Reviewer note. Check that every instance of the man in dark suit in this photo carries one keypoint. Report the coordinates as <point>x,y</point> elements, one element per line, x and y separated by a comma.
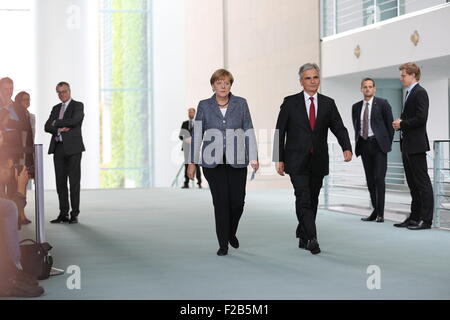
<point>372,121</point>
<point>66,145</point>
<point>301,148</point>
<point>414,145</point>
<point>186,136</point>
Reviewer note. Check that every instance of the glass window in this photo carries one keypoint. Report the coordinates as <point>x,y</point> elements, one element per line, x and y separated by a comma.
<point>124,94</point>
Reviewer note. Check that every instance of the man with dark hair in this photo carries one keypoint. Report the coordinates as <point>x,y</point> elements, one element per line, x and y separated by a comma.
<point>66,145</point>
<point>372,121</point>
<point>301,148</point>
<point>414,145</point>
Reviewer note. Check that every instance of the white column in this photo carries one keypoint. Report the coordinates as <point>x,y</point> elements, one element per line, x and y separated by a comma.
<point>169,88</point>
<point>67,49</point>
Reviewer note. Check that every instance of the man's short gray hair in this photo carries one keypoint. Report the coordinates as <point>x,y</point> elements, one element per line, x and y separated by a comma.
<point>308,66</point>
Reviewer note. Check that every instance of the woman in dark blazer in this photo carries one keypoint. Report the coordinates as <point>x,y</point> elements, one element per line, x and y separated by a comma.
<point>223,128</point>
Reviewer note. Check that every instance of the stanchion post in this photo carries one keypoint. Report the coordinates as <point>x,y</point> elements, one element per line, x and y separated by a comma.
<point>39,192</point>
<point>436,182</point>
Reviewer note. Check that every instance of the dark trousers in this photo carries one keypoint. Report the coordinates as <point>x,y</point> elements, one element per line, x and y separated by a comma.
<point>419,183</point>
<point>307,190</point>
<point>67,167</point>
<point>227,185</point>
<point>198,174</point>
<point>375,166</point>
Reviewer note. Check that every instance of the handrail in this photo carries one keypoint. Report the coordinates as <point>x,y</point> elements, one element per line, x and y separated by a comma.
<point>347,180</point>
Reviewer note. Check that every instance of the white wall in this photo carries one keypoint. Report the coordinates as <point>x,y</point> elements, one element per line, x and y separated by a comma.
<point>388,43</point>
<point>438,114</point>
<point>266,44</point>
<point>187,48</point>
<point>66,49</point>
<point>345,94</point>
<point>383,49</point>
<point>169,87</point>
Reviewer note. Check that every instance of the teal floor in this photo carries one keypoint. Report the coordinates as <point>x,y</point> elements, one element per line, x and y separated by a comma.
<point>161,244</point>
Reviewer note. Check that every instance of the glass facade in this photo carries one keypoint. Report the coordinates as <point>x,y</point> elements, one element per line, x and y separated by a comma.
<point>124,94</point>
<point>342,15</point>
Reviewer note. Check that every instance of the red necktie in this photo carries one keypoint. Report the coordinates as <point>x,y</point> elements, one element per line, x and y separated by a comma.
<point>312,117</point>
<point>312,113</point>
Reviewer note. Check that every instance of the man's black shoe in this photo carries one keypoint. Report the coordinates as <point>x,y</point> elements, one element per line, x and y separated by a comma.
<point>222,252</point>
<point>302,244</point>
<point>60,220</point>
<point>372,217</point>
<point>408,222</point>
<point>185,187</point>
<point>73,220</point>
<point>234,242</point>
<point>313,246</point>
<point>421,226</point>
<point>380,219</point>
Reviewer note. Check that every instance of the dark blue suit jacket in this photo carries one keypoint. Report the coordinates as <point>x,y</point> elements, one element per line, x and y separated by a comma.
<point>380,121</point>
<point>294,138</point>
<point>414,122</point>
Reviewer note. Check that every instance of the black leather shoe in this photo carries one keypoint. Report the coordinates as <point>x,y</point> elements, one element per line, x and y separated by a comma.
<point>313,246</point>
<point>372,217</point>
<point>380,219</point>
<point>199,186</point>
<point>408,222</point>
<point>185,187</point>
<point>234,242</point>
<point>60,220</point>
<point>421,226</point>
<point>222,252</point>
<point>73,220</point>
<point>302,244</point>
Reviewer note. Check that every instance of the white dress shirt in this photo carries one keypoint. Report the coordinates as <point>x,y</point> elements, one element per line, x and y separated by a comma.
<point>308,102</point>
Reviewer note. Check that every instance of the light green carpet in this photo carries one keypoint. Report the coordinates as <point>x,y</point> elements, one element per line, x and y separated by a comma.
<point>161,244</point>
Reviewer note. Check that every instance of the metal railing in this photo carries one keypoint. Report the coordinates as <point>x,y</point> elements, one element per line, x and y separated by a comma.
<point>343,15</point>
<point>441,183</point>
<point>346,187</point>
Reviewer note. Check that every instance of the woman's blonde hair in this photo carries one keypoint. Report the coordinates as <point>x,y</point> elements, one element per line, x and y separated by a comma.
<point>220,75</point>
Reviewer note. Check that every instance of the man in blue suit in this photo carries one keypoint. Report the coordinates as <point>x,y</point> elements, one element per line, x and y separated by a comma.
<point>372,121</point>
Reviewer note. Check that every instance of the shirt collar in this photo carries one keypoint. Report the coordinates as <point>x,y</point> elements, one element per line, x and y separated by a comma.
<point>412,87</point>
<point>67,102</point>
<point>307,96</point>
<point>370,101</point>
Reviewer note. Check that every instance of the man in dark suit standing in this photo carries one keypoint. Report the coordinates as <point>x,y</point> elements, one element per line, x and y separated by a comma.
<point>66,145</point>
<point>301,149</point>
<point>186,136</point>
<point>414,145</point>
<point>372,121</point>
